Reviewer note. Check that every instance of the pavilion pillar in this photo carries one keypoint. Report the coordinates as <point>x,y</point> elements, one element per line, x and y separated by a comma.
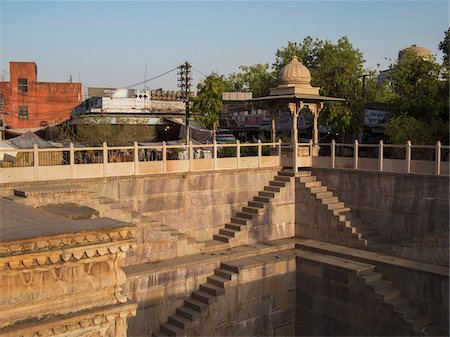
<point>294,112</point>
<point>274,130</point>
<point>318,108</point>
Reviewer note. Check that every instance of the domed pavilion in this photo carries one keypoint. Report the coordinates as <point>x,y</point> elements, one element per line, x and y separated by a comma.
<point>295,91</point>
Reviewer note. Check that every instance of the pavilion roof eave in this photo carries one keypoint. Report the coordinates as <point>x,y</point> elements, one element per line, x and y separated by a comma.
<point>299,96</point>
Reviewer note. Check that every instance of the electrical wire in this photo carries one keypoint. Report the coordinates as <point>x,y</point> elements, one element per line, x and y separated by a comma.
<point>151,79</point>
<point>199,72</point>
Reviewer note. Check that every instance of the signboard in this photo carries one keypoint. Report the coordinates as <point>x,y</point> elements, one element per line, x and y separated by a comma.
<point>110,92</point>
<point>252,120</point>
<point>375,117</point>
<point>237,96</point>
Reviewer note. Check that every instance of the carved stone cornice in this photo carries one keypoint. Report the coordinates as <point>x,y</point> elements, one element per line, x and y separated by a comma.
<point>105,321</point>
<point>52,250</point>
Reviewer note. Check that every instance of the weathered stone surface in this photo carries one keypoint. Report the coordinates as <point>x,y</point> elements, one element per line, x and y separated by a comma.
<point>52,279</point>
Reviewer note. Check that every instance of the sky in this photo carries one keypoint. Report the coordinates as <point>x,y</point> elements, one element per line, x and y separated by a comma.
<point>110,43</point>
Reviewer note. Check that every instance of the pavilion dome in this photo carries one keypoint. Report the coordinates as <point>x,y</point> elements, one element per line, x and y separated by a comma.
<point>294,73</point>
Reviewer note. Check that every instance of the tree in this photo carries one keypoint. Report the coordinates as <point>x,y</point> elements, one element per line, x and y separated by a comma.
<point>208,102</point>
<point>256,79</point>
<point>337,69</point>
<point>444,47</point>
<point>420,101</point>
<point>415,82</point>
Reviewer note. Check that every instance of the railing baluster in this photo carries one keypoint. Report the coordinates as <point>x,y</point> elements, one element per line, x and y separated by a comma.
<point>380,156</point>
<point>438,158</point>
<point>333,153</point>
<point>408,157</point>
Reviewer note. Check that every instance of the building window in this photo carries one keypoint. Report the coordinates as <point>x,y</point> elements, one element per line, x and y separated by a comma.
<point>1,102</point>
<point>23,112</point>
<point>22,85</point>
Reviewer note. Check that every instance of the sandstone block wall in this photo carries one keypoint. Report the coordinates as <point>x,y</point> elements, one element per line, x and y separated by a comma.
<point>334,301</point>
<point>398,206</point>
<point>194,203</point>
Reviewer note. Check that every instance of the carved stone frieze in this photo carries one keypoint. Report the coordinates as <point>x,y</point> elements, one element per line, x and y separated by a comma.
<point>64,275</point>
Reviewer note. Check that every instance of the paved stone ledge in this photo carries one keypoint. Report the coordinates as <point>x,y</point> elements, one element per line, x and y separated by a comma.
<point>206,258</point>
<point>362,255</point>
<point>383,173</point>
<point>158,176</point>
<point>32,191</point>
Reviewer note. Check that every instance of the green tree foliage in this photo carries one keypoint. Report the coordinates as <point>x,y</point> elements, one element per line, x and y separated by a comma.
<point>415,82</point>
<point>444,47</point>
<point>114,135</point>
<point>208,102</point>
<point>256,78</point>
<point>419,107</point>
<point>337,69</point>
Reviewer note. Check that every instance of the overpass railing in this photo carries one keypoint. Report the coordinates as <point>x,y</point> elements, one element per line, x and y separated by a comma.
<point>403,158</point>
<point>94,162</point>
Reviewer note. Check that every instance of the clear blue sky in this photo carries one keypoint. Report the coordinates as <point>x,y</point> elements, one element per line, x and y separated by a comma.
<point>109,43</point>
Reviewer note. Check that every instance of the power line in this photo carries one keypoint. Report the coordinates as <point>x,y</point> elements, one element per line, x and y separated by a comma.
<point>151,79</point>
<point>199,72</point>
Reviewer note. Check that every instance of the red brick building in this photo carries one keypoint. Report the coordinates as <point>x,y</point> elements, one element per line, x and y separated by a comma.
<point>26,103</point>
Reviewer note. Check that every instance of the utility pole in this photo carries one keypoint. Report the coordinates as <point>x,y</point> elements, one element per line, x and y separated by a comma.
<point>185,88</point>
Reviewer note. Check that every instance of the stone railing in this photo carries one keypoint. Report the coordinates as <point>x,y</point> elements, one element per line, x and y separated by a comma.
<point>95,162</point>
<point>408,158</point>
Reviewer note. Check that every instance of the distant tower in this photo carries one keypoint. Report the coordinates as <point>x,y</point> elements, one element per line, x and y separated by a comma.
<point>419,51</point>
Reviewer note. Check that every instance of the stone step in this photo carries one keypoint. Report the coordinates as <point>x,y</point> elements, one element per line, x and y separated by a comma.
<point>222,238</point>
<point>337,212</point>
<point>238,220</point>
<point>388,293</point>
<point>324,195</point>
<point>303,173</point>
<point>195,304</point>
<point>228,232</point>
<point>262,199</point>
<point>225,273</point>
<point>419,321</point>
<point>256,204</point>
<point>203,296</point>
<point>233,226</point>
<point>315,183</point>
<point>188,313</point>
<point>317,189</point>
<point>399,302</point>
<point>217,280</point>
<point>277,183</point>
<point>282,178</point>
<point>266,194</point>
<point>212,289</point>
<point>307,179</point>
<point>245,215</point>
<point>379,284</point>
<point>272,189</point>
<point>371,276</point>
<point>335,205</point>
<point>408,311</point>
<point>329,200</point>
<point>249,209</point>
<point>180,321</point>
<point>286,173</point>
<point>159,334</point>
<point>171,329</point>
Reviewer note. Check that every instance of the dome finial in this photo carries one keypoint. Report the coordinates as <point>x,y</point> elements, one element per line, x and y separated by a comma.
<point>294,73</point>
